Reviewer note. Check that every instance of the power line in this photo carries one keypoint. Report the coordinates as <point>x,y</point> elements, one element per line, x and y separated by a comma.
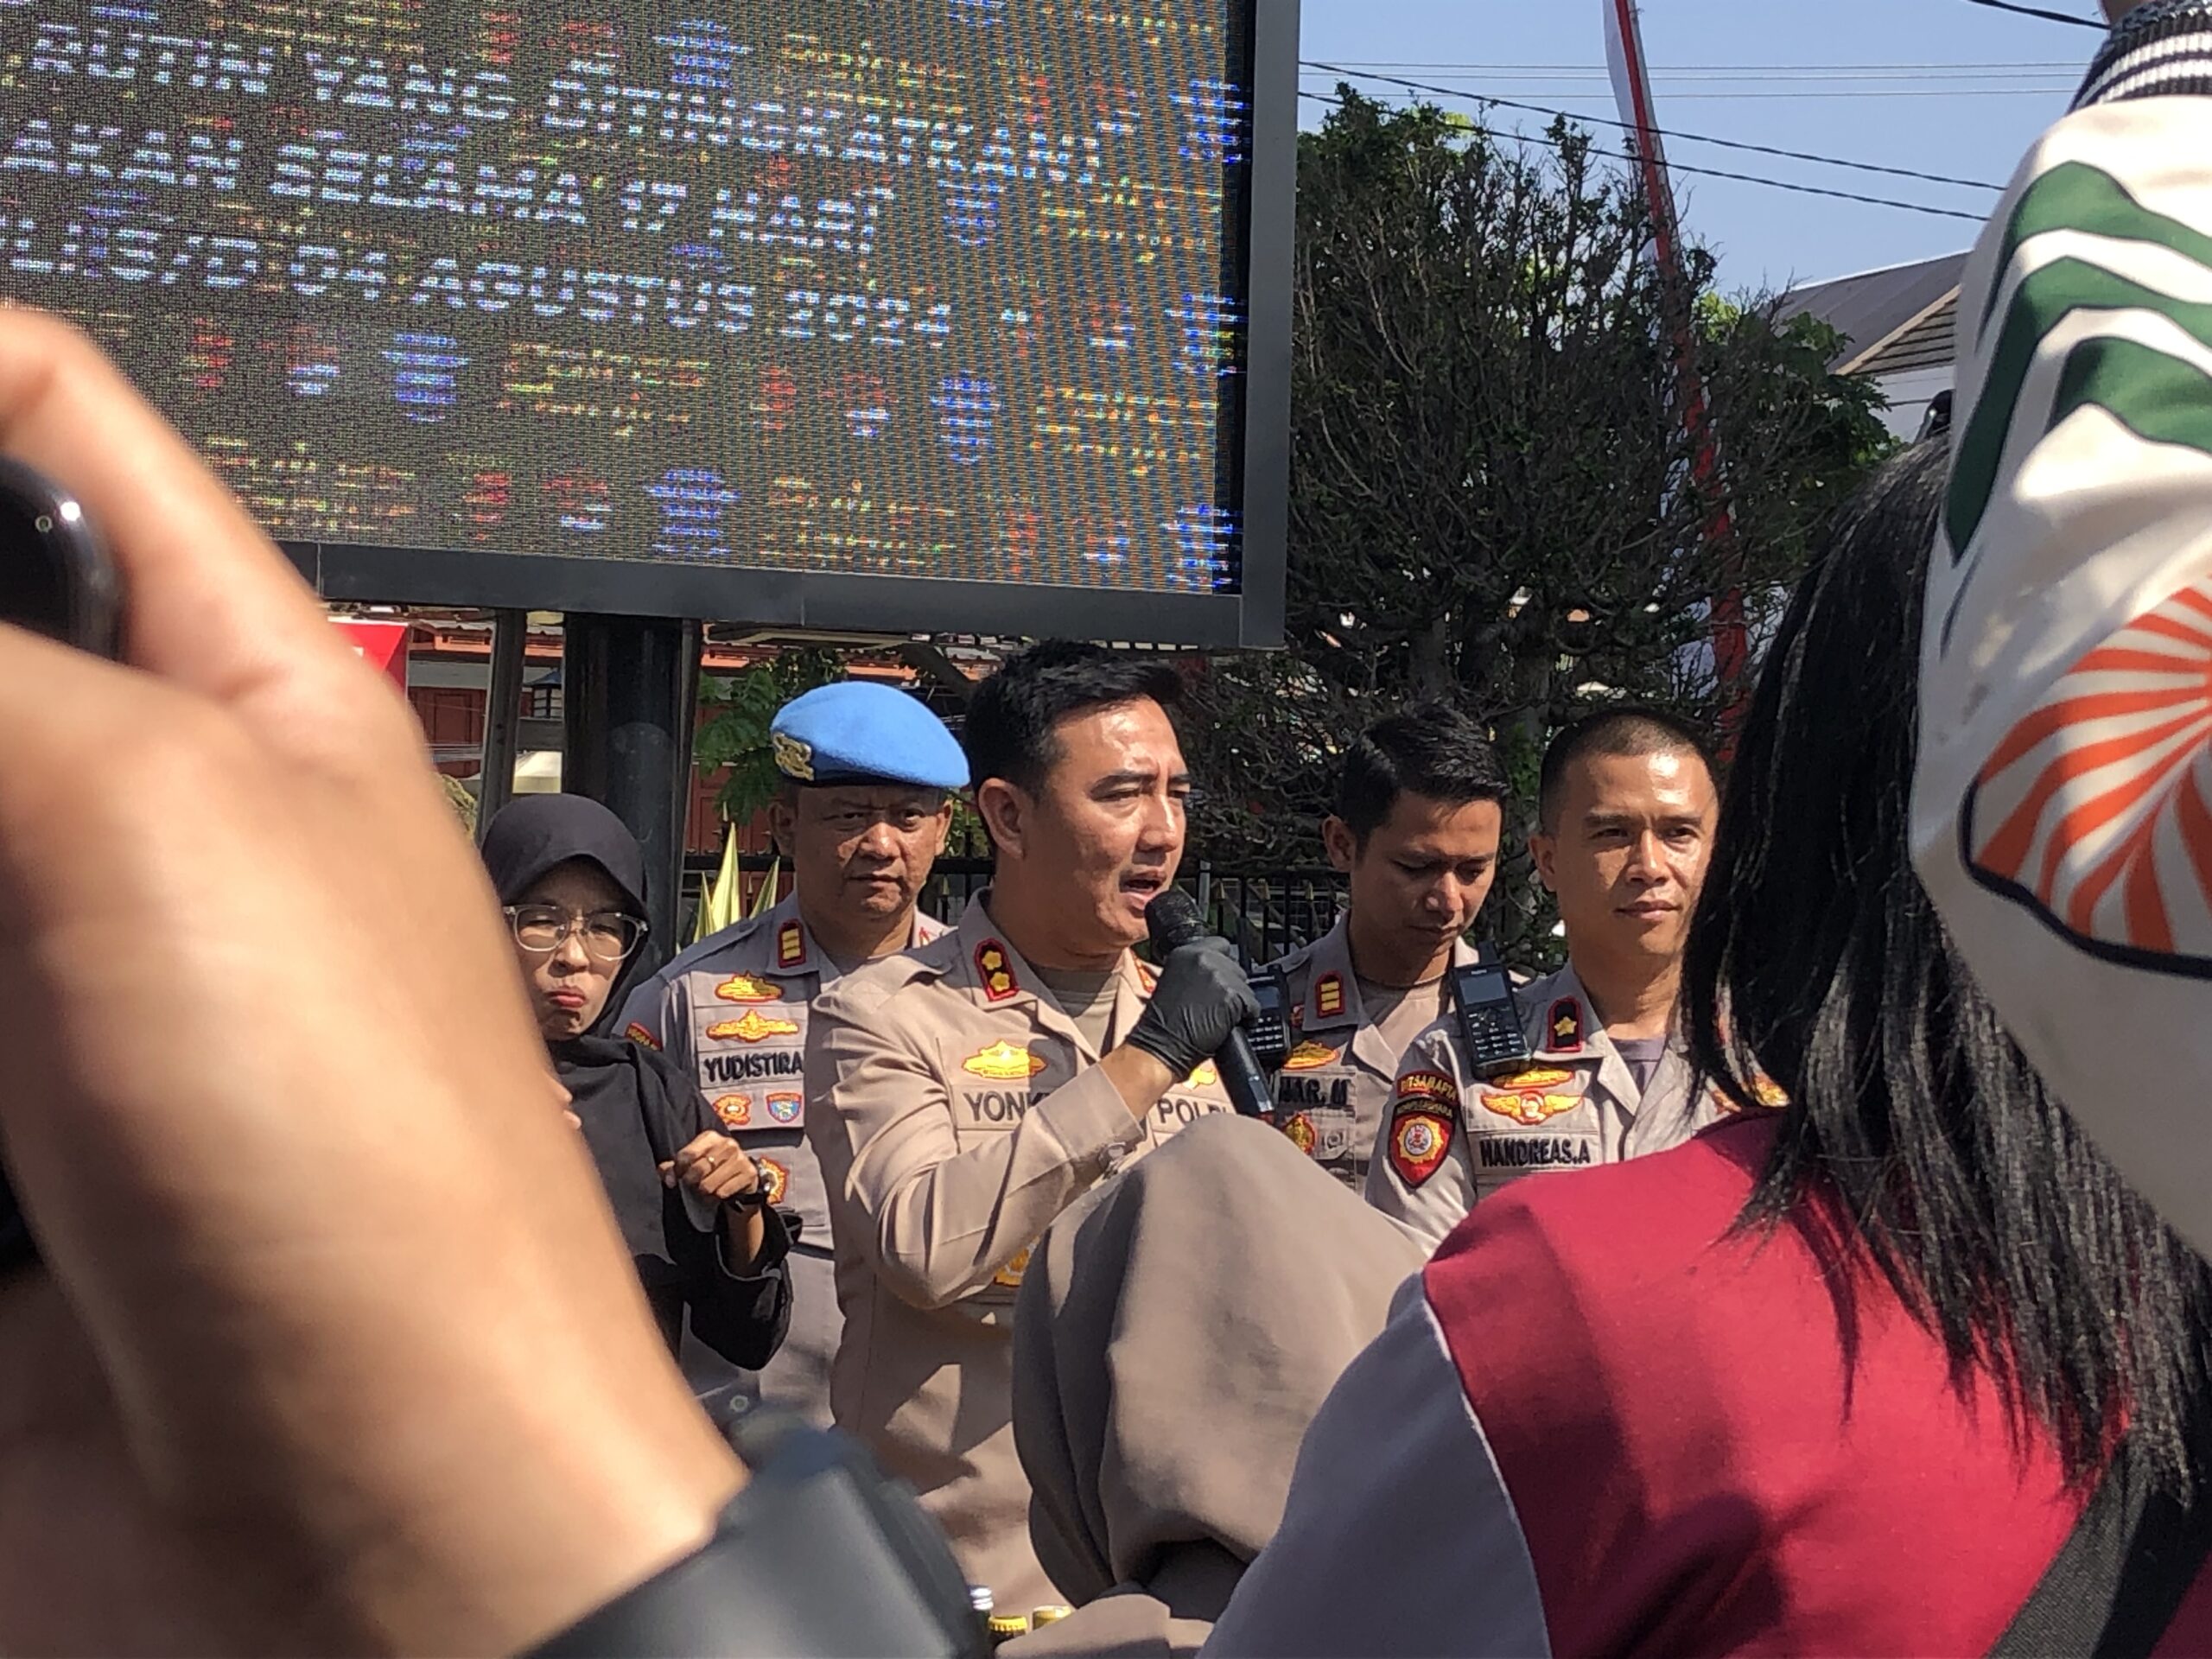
<point>1688,137</point>
<point>2037,11</point>
<point>1715,173</point>
<point>2070,73</point>
<point>1800,93</point>
<point>1746,68</point>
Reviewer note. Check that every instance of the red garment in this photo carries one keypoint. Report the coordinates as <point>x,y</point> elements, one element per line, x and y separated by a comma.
<point>1694,1466</point>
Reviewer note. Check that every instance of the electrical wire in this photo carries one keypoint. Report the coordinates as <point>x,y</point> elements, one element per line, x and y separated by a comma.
<point>2037,11</point>
<point>1715,173</point>
<point>1582,69</point>
<point>1665,132</point>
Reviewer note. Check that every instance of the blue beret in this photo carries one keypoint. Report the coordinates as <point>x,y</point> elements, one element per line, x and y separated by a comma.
<point>859,732</point>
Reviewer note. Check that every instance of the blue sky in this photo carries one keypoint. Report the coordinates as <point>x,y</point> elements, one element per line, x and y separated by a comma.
<point>1938,85</point>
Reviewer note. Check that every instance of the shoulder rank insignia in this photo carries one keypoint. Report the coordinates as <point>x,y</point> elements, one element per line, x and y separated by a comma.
<point>1563,1027</point>
<point>994,972</point>
<point>791,945</point>
<point>1420,1133</point>
<point>1004,1062</point>
<point>752,1029</point>
<point>1299,1129</point>
<point>1147,981</point>
<point>1310,1055</point>
<point>734,1110</point>
<point>775,1178</point>
<point>637,1035</point>
<point>743,988</point>
<point>1329,995</point>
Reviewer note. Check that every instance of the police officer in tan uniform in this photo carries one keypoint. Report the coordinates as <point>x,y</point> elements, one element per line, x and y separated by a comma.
<point>862,816</point>
<point>1416,826</point>
<point>1625,821</point>
<point>964,1094</point>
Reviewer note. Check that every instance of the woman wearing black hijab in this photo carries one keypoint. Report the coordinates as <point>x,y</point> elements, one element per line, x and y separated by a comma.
<point>571,880</point>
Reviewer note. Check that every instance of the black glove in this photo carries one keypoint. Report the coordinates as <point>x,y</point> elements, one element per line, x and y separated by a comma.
<point>1202,996</point>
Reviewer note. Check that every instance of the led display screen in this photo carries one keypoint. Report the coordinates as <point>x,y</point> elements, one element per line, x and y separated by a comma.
<point>731,310</point>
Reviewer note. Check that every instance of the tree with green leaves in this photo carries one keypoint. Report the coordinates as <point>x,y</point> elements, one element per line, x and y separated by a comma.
<point>1490,495</point>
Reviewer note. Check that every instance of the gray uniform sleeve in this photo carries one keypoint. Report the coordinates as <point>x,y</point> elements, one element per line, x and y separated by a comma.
<point>938,1219</point>
<point>659,1009</point>
<point>1399,1536</point>
<point>1432,1209</point>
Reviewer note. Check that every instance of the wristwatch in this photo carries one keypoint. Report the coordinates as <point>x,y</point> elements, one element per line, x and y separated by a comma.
<point>819,1555</point>
<point>747,1203</point>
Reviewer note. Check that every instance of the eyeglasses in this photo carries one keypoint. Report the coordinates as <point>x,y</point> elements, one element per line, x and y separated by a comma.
<point>608,935</point>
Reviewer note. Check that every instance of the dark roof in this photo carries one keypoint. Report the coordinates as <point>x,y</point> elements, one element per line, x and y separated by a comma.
<point>1871,309</point>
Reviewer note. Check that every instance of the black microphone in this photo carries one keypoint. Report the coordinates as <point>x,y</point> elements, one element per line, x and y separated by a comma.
<point>1173,920</point>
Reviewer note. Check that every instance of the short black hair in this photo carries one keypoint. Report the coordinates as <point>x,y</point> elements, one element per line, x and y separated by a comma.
<point>1009,731</point>
<point>1430,749</point>
<point>1629,730</point>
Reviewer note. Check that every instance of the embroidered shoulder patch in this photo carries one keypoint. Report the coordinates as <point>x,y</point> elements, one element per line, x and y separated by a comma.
<point>1419,1139</point>
<point>637,1035</point>
<point>1431,1090</point>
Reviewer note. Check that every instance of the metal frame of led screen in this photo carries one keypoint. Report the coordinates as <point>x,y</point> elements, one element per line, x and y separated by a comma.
<point>902,315</point>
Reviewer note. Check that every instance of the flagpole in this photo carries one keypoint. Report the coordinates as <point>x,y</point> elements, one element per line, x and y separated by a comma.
<point>1631,77</point>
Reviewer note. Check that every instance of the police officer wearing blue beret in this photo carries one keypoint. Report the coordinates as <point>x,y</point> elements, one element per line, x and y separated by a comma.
<point>868,774</point>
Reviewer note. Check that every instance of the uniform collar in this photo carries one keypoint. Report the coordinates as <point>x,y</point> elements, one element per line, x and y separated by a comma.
<point>1333,1002</point>
<point>1562,1026</point>
<point>792,949</point>
<point>1002,979</point>
<point>1332,989</point>
<point>791,946</point>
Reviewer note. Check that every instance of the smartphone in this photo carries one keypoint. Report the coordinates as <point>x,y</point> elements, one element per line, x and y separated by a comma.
<point>1491,1026</point>
<point>56,579</point>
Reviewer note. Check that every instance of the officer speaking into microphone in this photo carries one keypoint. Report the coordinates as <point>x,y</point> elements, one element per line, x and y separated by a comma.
<point>960,1095</point>
<point>863,813</point>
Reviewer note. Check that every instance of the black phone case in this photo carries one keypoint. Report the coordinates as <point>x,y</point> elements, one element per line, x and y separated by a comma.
<point>73,594</point>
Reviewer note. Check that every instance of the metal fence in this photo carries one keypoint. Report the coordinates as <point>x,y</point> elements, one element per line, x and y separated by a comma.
<point>1263,912</point>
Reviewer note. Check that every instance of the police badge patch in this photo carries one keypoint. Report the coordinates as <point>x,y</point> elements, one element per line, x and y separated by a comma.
<point>1419,1139</point>
<point>775,1178</point>
<point>734,1110</point>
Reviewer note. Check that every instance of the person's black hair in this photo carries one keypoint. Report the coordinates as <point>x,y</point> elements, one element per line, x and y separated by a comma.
<point>1628,730</point>
<point>1916,1135</point>
<point>1008,731</point>
<point>1430,749</point>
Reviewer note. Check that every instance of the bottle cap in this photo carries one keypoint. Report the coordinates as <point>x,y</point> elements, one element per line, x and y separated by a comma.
<point>1005,1626</point>
<point>1040,1617</point>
